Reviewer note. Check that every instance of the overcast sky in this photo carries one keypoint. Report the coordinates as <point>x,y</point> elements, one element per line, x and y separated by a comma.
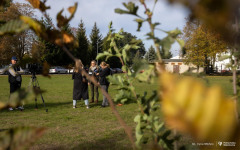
<point>102,12</point>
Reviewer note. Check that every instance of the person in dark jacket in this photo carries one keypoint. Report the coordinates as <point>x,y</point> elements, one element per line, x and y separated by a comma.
<point>105,71</point>
<point>93,70</point>
<point>80,87</point>
<point>14,78</point>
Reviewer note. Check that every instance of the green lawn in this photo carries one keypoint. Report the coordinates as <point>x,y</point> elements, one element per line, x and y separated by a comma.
<point>80,128</point>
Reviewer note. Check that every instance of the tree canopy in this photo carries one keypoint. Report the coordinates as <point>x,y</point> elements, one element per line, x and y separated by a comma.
<point>202,44</point>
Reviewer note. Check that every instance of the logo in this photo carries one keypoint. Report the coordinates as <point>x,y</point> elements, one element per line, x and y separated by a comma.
<point>220,143</point>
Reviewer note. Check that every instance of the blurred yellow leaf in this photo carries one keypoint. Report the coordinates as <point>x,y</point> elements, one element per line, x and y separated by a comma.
<point>39,5</point>
<point>73,9</point>
<point>191,107</point>
<point>61,20</point>
<point>67,38</point>
<point>36,26</point>
<point>46,68</point>
<point>2,105</point>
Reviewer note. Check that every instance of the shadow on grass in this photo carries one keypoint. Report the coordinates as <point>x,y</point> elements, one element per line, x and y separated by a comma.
<point>40,106</point>
<point>117,140</point>
<point>1,130</point>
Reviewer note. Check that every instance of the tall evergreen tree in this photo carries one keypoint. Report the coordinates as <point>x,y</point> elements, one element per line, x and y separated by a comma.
<point>50,49</point>
<point>151,55</point>
<point>82,52</point>
<point>95,42</point>
<point>52,53</point>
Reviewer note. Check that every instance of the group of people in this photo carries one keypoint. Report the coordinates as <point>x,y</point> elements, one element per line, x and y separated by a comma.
<point>80,87</point>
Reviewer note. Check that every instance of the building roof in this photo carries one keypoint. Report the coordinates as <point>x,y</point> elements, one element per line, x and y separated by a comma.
<point>176,57</point>
<point>172,60</point>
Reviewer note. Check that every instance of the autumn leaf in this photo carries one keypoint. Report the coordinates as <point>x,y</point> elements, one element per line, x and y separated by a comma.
<point>73,9</point>
<point>39,5</point>
<point>191,107</point>
<point>67,38</point>
<point>46,68</point>
<point>61,20</point>
<point>13,26</point>
<point>37,27</point>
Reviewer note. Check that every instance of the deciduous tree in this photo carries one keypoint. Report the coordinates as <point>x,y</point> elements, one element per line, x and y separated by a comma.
<point>202,44</point>
<point>20,43</point>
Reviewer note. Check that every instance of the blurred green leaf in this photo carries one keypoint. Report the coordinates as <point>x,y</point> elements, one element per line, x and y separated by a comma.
<point>19,138</point>
<point>167,42</point>
<point>37,27</point>
<point>224,57</point>
<point>13,26</point>
<point>140,22</point>
<point>131,9</point>
<point>180,42</point>
<point>146,75</point>
<point>104,54</point>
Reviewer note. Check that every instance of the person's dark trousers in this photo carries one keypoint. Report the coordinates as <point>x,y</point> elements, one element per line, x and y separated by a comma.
<point>105,101</point>
<point>94,89</point>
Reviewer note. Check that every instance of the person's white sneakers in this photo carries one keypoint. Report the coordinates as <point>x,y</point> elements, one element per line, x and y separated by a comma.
<point>74,106</point>
<point>20,107</point>
<point>11,109</point>
<point>87,107</point>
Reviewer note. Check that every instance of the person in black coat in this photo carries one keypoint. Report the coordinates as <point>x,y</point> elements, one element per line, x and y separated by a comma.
<point>14,78</point>
<point>105,71</point>
<point>80,88</point>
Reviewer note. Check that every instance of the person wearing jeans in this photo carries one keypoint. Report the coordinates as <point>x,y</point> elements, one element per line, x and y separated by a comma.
<point>103,80</point>
<point>93,70</point>
<point>14,79</point>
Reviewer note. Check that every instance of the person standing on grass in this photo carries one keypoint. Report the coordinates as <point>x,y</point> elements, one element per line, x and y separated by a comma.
<point>80,87</point>
<point>14,79</point>
<point>105,71</point>
<point>93,70</point>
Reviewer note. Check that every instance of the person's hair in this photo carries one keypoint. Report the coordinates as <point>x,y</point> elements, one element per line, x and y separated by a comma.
<point>94,62</point>
<point>105,64</point>
<point>78,66</point>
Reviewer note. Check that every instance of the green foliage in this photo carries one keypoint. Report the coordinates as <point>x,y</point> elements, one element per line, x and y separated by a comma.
<point>13,26</point>
<point>162,46</point>
<point>168,41</point>
<point>123,42</point>
<point>19,138</point>
<point>131,9</point>
<point>149,128</point>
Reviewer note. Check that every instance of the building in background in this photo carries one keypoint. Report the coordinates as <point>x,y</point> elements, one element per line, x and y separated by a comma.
<point>177,65</point>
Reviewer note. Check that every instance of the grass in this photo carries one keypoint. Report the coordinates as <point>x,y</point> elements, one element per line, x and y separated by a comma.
<point>80,128</point>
